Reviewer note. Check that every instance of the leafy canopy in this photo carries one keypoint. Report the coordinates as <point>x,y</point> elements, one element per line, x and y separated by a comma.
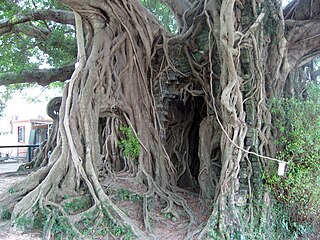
<point>27,44</point>
<point>34,43</point>
<point>162,13</point>
<point>31,44</point>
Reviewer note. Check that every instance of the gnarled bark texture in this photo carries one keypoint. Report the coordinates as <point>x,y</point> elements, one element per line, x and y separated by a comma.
<point>196,102</point>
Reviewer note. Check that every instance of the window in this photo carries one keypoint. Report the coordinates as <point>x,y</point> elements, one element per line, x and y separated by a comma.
<point>21,134</point>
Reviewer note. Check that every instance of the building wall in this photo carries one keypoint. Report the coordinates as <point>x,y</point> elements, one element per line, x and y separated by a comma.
<point>19,134</point>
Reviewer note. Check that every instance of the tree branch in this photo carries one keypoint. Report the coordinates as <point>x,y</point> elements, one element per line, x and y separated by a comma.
<point>41,76</point>
<point>303,38</point>
<point>302,10</point>
<point>59,16</point>
<point>31,31</point>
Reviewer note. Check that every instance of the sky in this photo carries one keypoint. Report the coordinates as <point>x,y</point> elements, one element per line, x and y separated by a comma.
<point>29,103</point>
<point>285,2</point>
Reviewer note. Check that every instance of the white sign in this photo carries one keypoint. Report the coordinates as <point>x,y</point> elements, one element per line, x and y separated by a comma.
<point>281,168</point>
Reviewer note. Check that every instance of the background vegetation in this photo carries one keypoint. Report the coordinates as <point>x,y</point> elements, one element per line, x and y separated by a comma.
<point>298,191</point>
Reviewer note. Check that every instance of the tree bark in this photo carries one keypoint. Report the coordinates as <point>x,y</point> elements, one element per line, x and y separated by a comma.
<point>42,77</point>
<point>211,82</point>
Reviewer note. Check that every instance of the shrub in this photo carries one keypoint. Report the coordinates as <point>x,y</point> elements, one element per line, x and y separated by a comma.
<point>129,144</point>
<point>298,142</point>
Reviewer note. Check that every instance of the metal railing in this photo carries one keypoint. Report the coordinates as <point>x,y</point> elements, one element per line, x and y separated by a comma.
<point>29,153</point>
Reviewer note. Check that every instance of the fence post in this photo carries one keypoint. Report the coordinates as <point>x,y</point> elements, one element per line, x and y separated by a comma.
<point>29,154</point>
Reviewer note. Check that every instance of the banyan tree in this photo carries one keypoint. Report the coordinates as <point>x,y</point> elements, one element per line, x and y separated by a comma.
<point>171,115</point>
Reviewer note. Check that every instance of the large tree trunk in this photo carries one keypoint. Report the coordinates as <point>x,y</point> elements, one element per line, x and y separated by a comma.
<point>195,102</point>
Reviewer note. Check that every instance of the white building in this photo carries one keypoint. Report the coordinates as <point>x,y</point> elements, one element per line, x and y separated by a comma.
<point>20,133</point>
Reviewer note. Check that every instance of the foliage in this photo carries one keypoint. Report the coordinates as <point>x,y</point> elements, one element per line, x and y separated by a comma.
<point>33,44</point>
<point>271,223</point>
<point>94,224</point>
<point>98,227</point>
<point>162,13</point>
<point>126,195</point>
<point>61,228</point>
<point>39,220</point>
<point>24,222</point>
<point>15,53</point>
<point>11,190</point>
<point>24,49</point>
<point>5,214</point>
<point>129,144</point>
<point>298,142</point>
<point>61,35</point>
<point>282,226</point>
<point>56,85</point>
<point>78,204</point>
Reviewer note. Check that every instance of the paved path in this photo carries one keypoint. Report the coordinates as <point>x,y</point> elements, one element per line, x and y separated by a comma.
<point>9,167</point>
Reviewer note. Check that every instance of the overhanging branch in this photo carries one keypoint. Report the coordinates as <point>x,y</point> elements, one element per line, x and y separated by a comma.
<point>303,38</point>
<point>309,56</point>
<point>302,10</point>
<point>42,77</point>
<point>58,16</point>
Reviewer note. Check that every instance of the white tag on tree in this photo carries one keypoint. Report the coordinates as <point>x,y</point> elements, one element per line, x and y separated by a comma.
<point>281,168</point>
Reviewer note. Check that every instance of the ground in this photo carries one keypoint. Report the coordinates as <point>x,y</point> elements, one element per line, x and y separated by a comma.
<point>6,231</point>
<point>166,227</point>
<point>127,195</point>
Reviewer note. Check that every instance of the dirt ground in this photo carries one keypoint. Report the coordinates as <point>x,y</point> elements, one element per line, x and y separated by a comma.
<point>6,231</point>
<point>164,229</point>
